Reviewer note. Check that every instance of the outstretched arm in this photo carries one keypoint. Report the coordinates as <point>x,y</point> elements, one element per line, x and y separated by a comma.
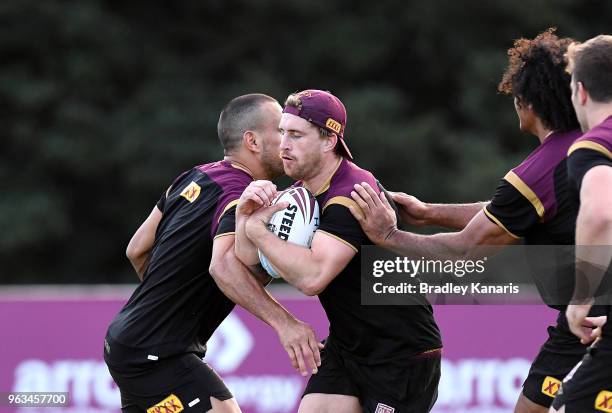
<point>414,212</point>
<point>378,221</point>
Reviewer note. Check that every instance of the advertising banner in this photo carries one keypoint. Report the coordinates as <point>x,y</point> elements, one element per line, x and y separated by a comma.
<point>54,342</point>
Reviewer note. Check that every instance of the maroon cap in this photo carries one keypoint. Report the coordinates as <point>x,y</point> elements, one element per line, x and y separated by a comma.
<point>324,110</point>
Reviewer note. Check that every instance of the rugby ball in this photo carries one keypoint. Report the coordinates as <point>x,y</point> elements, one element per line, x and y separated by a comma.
<point>295,224</point>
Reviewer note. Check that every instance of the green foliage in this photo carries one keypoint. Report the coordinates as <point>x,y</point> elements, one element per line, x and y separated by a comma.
<point>105,102</point>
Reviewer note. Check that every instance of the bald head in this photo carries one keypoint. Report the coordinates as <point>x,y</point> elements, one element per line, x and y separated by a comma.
<point>242,114</point>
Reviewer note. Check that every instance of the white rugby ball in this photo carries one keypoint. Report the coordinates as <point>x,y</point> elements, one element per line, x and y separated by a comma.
<point>295,224</point>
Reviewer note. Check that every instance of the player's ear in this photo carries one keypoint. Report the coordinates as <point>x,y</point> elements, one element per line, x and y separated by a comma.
<point>582,93</point>
<point>330,142</point>
<point>252,141</point>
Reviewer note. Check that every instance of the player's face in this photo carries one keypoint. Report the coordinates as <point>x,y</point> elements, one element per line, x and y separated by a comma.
<point>271,161</point>
<point>301,147</point>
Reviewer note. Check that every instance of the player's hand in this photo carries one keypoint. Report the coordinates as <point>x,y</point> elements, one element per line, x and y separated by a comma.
<point>375,216</point>
<point>258,220</point>
<point>257,195</point>
<point>585,328</point>
<point>301,344</point>
<point>411,210</point>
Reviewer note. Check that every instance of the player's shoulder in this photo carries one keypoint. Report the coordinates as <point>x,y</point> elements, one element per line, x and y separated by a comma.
<point>347,175</point>
<point>598,139</point>
<point>228,175</point>
<point>343,181</point>
<point>536,178</point>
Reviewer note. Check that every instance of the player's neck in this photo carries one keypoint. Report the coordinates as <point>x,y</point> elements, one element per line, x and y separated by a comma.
<point>541,131</point>
<point>250,167</point>
<point>321,179</point>
<point>598,113</point>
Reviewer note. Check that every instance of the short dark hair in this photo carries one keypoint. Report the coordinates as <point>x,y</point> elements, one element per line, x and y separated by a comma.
<point>591,64</point>
<point>238,116</point>
<point>536,75</point>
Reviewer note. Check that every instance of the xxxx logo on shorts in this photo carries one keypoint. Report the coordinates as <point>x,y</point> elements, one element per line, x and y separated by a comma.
<point>383,408</point>
<point>170,404</point>
<point>191,192</point>
<point>603,401</point>
<point>550,386</point>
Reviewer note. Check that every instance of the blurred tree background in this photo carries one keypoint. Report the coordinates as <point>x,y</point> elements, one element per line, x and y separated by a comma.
<point>104,102</point>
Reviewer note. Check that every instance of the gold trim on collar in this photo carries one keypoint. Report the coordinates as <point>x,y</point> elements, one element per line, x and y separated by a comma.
<point>590,145</point>
<point>240,166</point>
<point>327,183</point>
<point>527,192</point>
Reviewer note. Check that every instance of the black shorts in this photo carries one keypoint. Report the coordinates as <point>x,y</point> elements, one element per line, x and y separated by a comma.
<point>390,387</point>
<point>180,383</point>
<point>557,357</point>
<point>588,388</point>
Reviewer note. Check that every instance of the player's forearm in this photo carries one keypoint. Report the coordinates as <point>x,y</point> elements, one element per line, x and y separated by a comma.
<point>240,286</point>
<point>245,250</point>
<point>293,262</point>
<point>453,216</point>
<point>447,246</point>
<point>593,251</point>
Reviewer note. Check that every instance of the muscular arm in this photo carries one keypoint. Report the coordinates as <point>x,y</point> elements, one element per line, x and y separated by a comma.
<point>453,216</point>
<point>238,284</point>
<point>258,194</point>
<point>378,221</point>
<point>310,270</point>
<point>416,213</point>
<point>139,248</point>
<point>593,228</point>
<point>478,232</point>
<point>245,250</point>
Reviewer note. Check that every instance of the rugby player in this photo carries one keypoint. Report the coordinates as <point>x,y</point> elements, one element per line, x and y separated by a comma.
<point>589,387</point>
<point>376,358</point>
<point>531,202</point>
<point>184,255</point>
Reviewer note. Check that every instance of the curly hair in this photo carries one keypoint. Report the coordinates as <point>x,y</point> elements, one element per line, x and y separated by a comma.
<point>536,76</point>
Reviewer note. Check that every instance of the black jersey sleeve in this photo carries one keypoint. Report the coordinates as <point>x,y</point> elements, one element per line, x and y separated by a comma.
<point>581,161</point>
<point>227,222</point>
<point>338,222</point>
<point>511,210</point>
<point>162,202</point>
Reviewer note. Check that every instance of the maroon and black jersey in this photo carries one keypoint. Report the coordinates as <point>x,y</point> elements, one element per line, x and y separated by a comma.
<point>177,306</point>
<point>594,148</point>
<point>370,334</point>
<point>533,201</point>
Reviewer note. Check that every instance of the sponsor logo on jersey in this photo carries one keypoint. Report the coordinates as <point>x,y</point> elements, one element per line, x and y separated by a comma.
<point>603,401</point>
<point>170,404</point>
<point>383,408</point>
<point>333,125</point>
<point>191,192</point>
<point>550,386</point>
